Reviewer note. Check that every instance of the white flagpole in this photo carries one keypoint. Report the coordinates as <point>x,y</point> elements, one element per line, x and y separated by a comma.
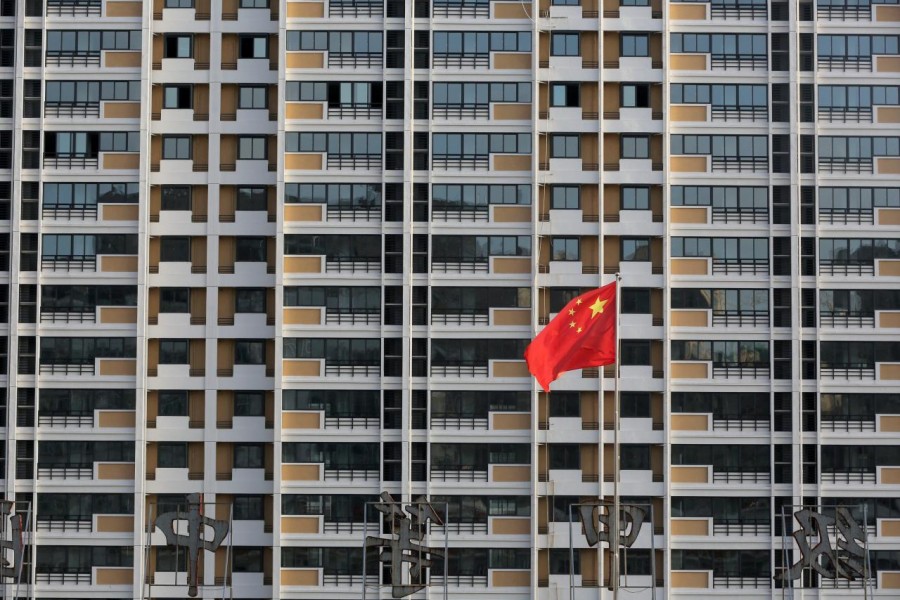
<point>614,521</point>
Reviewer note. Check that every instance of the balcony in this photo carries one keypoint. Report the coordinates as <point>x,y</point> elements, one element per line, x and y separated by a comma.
<point>739,371</point>
<point>461,474</point>
<point>364,8</point>
<point>846,319</point>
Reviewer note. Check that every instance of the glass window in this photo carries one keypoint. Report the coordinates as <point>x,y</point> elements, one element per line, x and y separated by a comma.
<point>250,300</point>
<point>635,146</point>
<point>179,3</point>
<point>177,96</point>
<point>635,44</point>
<point>175,197</point>
<point>253,46</point>
<point>249,456</point>
<point>250,249</point>
<point>176,147</point>
<point>564,44</point>
<point>173,403</point>
<point>635,95</point>
<point>635,301</point>
<point>635,250</point>
<point>634,405</point>
<point>565,94</point>
<point>178,46</point>
<point>248,508</point>
<point>171,455</point>
<point>565,248</point>
<point>249,404</point>
<point>173,352</point>
<point>565,404</point>
<point>635,197</point>
<point>249,352</point>
<point>565,146</point>
<point>252,148</point>
<point>252,97</point>
<point>174,248</point>
<point>254,4</point>
<point>174,300</point>
<point>635,352</point>
<point>565,197</point>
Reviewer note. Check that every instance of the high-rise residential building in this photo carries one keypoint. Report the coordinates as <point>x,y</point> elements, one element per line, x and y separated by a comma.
<point>287,255</point>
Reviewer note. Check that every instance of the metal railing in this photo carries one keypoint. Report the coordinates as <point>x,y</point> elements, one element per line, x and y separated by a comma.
<point>461,474</point>
<point>355,59</point>
<point>49,316</point>
<point>847,372</point>
<point>461,527</point>
<point>844,63</point>
<point>844,12</point>
<point>354,111</point>
<point>480,370</point>
<point>352,422</point>
<point>847,216</point>
<point>336,8</point>
<point>739,113</point>
<point>367,317</point>
<point>835,267</point>
<point>351,474</point>
<point>63,578</point>
<point>461,9</point>
<point>740,62</point>
<point>460,215</point>
<point>461,318</point>
<point>82,213</point>
<point>76,8</point>
<point>736,581</point>
<point>348,579</point>
<point>845,114</point>
<point>67,369</point>
<point>348,527</point>
<point>740,215</point>
<point>65,59</point>
<point>80,523</point>
<point>846,319</point>
<point>69,263</point>
<point>738,371</point>
<point>738,10</point>
<point>349,265</point>
<point>352,370</point>
<point>462,111</point>
<point>741,527</point>
<point>740,424</point>
<point>849,477</point>
<point>741,476</point>
<point>461,162</point>
<point>753,318</point>
<point>73,420</point>
<point>459,423</point>
<point>353,161</point>
<point>65,472</point>
<point>462,59</point>
<point>748,266</point>
<point>846,164</point>
<point>468,266</point>
<point>458,580</point>
<point>71,162</point>
<point>72,109</point>
<point>740,164</point>
<point>847,425</point>
<point>336,213</point>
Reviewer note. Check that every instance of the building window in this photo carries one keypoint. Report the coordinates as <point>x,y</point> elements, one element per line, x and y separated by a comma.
<point>178,46</point>
<point>250,352</point>
<point>175,197</point>
<point>252,148</point>
<point>635,301</point>
<point>174,300</point>
<point>173,352</point>
<point>635,198</point>
<point>176,147</point>
<point>635,352</point>
<point>173,403</point>
<point>250,249</point>
<point>171,455</point>
<point>249,404</point>
<point>565,94</point>
<point>254,46</point>
<point>175,248</point>
<point>564,44</point>
<point>635,457</point>
<point>635,250</point>
<point>565,197</point>
<point>177,96</point>
<point>634,405</point>
<point>634,44</point>
<point>565,248</point>
<point>565,404</point>
<point>247,508</point>
<point>635,95</point>
<point>250,300</point>
<point>252,199</point>
<point>635,146</point>
<point>248,456</point>
<point>179,3</point>
<point>253,97</point>
<point>565,146</point>
<point>564,456</point>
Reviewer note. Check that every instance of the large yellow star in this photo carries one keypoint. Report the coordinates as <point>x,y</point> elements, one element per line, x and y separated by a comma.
<point>597,307</point>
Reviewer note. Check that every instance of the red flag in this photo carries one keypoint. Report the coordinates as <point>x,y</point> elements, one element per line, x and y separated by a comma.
<point>582,335</point>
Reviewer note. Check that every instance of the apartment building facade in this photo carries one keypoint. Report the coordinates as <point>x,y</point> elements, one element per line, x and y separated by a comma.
<point>288,256</point>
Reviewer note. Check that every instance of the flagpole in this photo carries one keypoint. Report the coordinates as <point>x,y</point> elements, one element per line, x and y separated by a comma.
<point>614,518</point>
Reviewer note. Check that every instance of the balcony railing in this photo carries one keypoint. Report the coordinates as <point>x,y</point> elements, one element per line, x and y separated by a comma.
<point>741,215</point>
<point>461,9</point>
<point>739,424</point>
<point>749,266</point>
<point>735,581</point>
<point>739,371</point>
<point>847,425</point>
<point>848,477</point>
<point>458,527</point>
<point>67,369</point>
<point>459,423</point>
<point>461,318</point>
<point>49,316</point>
<point>65,472</point>
<point>460,215</point>
<point>71,162</point>
<point>846,164</point>
<point>351,474</point>
<point>461,474</point>
<point>741,527</point>
<point>349,265</point>
<point>847,372</point>
<point>741,318</point>
<point>76,8</point>
<point>740,164</point>
<point>354,111</point>
<point>739,113</point>
<point>739,61</point>
<point>462,60</point>
<point>352,422</point>
<point>69,263</point>
<point>355,9</point>
<point>740,477</point>
<point>461,162</point>
<point>844,63</point>
<point>846,319</point>
<point>738,10</point>
<point>847,216</point>
<point>844,12</point>
<point>348,579</point>
<point>353,161</point>
<point>348,527</point>
<point>72,420</point>
<point>63,578</point>
<point>69,213</point>
<point>88,59</point>
<point>81,523</point>
<point>833,267</point>
<point>360,317</point>
<point>468,266</point>
<point>337,213</point>
<point>458,580</point>
<point>479,370</point>
<point>355,59</point>
<point>845,114</point>
<point>462,111</point>
<point>72,109</point>
<point>352,370</point>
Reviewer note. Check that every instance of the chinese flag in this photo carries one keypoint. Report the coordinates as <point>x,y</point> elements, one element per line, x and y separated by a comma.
<point>582,335</point>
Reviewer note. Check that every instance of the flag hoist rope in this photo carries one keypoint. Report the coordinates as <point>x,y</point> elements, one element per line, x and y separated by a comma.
<point>614,521</point>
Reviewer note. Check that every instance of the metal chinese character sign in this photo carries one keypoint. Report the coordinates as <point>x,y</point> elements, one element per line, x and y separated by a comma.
<point>846,559</point>
<point>194,540</point>
<point>596,525</point>
<point>11,569</point>
<point>408,526</point>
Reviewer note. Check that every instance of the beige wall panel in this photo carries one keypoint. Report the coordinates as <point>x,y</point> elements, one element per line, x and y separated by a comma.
<point>505,265</point>
<point>887,166</point>
<point>690,422</point>
<point>688,214</point>
<point>113,576</point>
<point>299,525</point>
<point>120,212</point>
<point>690,318</point>
<point>304,577</point>
<point>510,578</point>
<point>304,110</point>
<point>512,421</point>
<point>115,523</point>
<point>512,10</point>
<point>887,64</point>
<point>687,12</point>
<point>512,316</point>
<point>889,372</point>
<point>303,162</point>
<point>512,112</point>
<point>512,368</point>
<point>122,59</point>
<point>688,164</point>
<point>517,60</point>
<point>118,367</point>
<point>690,527</point>
<point>115,471</point>
<point>305,60</point>
<point>889,424</point>
<point>689,266</point>
<point>687,62</point>
<point>512,162</point>
<point>303,212</point>
<point>688,474</point>
<point>305,10</point>
<point>698,370</point>
<point>890,475</point>
<point>889,268</point>
<point>118,314</point>
<point>121,160</point>
<point>124,9</point>
<point>511,526</point>
<point>887,13</point>
<point>122,110</point>
<point>116,418</point>
<point>690,579</point>
<point>511,473</point>
<point>301,420</point>
<point>301,368</point>
<point>302,264</point>
<point>300,472</point>
<point>688,112</point>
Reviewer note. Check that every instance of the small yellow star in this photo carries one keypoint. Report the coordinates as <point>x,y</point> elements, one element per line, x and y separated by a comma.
<point>572,324</point>
<point>571,311</point>
<point>578,302</point>
<point>578,330</point>
<point>597,307</point>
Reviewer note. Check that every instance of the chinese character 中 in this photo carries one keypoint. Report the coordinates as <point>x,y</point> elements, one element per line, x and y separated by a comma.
<point>408,526</point>
<point>844,560</point>
<point>193,541</point>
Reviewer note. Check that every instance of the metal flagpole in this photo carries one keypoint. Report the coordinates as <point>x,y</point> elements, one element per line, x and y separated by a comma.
<point>614,518</point>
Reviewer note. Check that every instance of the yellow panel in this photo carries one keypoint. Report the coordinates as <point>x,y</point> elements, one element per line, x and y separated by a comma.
<point>300,420</point>
<point>115,471</point>
<point>118,367</point>
<point>887,114</point>
<point>518,60</point>
<point>512,162</point>
<point>118,314</point>
<point>687,62</point>
<point>115,418</point>
<point>302,264</point>
<point>303,212</point>
<point>112,576</point>
<point>690,370</point>
<point>120,212</point>
<point>890,580</point>
<point>888,166</point>
<point>687,12</point>
<point>512,214</point>
<point>299,525</point>
<point>305,60</point>
<point>889,372</point>
<point>690,579</point>
<point>512,112</point>
<point>890,475</point>
<point>887,64</point>
<point>118,264</point>
<point>512,316</point>
<point>688,214</point>
<point>690,318</point>
<point>302,316</point>
<point>686,474</point>
<point>511,473</point>
<point>510,578</point>
<point>889,319</point>
<point>689,266</point>
<point>512,10</point>
<point>122,59</point>
<point>887,13</point>
<point>115,523</point>
<point>300,472</point>
<point>122,110</point>
<point>510,526</point>
<point>890,527</point>
<point>307,10</point>
<point>505,265</point>
<point>690,527</point>
<point>688,164</point>
<point>690,422</point>
<point>512,421</point>
<point>124,160</point>
<point>889,424</point>
<point>889,268</point>
<point>888,216</point>
<point>301,368</point>
<point>303,110</point>
<point>124,9</point>
<point>688,112</point>
<point>303,162</point>
<point>512,368</point>
<point>307,577</point>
